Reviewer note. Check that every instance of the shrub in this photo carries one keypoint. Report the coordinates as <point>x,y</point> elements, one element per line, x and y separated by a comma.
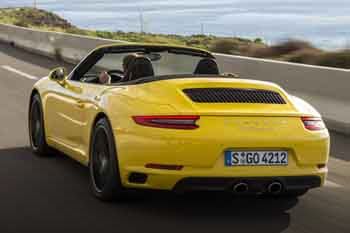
<point>228,46</point>
<point>339,59</point>
<point>283,48</point>
<point>21,24</point>
<point>305,56</point>
<point>258,41</point>
<point>104,34</point>
<point>77,31</point>
<point>251,48</point>
<point>193,42</point>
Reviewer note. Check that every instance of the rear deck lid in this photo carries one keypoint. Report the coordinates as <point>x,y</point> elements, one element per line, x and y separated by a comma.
<point>217,96</point>
<point>233,97</point>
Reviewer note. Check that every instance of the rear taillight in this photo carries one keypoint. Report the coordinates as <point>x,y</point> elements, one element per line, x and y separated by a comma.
<point>170,122</point>
<point>313,123</point>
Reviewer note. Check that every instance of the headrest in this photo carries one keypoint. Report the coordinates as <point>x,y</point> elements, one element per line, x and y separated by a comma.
<point>127,61</point>
<point>207,66</point>
<point>139,68</point>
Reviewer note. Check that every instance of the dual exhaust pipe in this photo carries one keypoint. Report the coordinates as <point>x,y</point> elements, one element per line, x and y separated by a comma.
<point>240,188</point>
<point>272,188</point>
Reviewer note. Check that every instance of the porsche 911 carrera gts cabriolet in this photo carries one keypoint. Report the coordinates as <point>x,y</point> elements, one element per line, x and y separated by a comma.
<point>163,117</point>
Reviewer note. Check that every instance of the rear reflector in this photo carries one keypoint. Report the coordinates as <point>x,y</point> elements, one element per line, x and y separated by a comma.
<point>313,123</point>
<point>163,166</point>
<point>170,122</point>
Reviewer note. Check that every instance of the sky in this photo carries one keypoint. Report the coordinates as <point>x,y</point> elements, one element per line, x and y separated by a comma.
<point>324,22</point>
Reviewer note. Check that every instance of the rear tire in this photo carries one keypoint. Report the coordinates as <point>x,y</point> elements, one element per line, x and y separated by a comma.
<point>36,128</point>
<point>105,179</point>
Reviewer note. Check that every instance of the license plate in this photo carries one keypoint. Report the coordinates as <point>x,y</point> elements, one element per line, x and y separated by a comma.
<point>256,158</point>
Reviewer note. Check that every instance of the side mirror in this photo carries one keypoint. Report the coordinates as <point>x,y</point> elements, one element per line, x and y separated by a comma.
<point>58,75</point>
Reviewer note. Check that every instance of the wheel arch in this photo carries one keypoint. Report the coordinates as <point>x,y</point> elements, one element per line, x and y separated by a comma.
<point>98,117</point>
<point>35,92</point>
<point>117,183</point>
<point>32,94</point>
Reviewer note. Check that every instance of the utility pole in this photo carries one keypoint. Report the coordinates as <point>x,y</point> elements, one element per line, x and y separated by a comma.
<point>141,22</point>
<point>34,4</point>
<point>202,29</point>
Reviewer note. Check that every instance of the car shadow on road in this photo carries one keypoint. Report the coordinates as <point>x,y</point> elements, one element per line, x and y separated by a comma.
<point>209,211</point>
<point>32,183</point>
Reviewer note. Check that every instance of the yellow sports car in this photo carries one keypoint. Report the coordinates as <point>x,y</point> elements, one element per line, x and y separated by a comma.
<point>163,117</point>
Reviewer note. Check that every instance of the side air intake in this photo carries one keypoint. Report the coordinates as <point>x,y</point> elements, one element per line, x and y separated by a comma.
<point>233,95</point>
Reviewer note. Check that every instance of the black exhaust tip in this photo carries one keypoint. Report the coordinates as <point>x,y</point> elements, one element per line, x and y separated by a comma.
<point>275,188</point>
<point>240,187</point>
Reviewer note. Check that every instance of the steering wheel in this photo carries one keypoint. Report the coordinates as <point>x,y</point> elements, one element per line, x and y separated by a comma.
<point>116,75</point>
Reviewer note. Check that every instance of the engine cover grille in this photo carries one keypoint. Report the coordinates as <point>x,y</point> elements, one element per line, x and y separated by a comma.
<point>233,95</point>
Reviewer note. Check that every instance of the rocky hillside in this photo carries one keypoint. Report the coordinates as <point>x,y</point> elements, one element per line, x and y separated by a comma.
<point>30,17</point>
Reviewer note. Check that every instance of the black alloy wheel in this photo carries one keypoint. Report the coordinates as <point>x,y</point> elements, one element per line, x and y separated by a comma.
<point>104,170</point>
<point>36,128</point>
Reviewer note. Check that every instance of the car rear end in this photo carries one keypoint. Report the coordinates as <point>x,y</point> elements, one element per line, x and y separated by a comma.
<point>224,135</point>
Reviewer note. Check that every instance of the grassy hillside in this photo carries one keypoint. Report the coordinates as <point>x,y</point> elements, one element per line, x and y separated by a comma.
<point>29,17</point>
<point>292,50</point>
<point>36,18</point>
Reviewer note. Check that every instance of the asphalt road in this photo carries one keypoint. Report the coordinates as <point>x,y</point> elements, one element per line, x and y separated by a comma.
<point>51,194</point>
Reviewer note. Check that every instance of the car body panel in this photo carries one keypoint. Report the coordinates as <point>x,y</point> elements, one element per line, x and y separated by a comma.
<point>69,112</point>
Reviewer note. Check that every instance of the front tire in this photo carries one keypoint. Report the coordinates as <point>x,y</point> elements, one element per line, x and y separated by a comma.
<point>105,179</point>
<point>36,128</point>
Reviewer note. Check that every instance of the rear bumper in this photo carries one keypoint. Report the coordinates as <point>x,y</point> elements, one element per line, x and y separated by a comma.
<point>255,184</point>
<point>221,180</point>
<point>201,152</point>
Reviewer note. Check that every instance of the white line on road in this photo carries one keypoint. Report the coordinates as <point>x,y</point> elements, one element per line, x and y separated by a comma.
<point>332,184</point>
<point>9,68</point>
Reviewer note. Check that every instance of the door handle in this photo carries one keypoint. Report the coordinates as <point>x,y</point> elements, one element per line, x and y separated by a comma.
<point>80,104</point>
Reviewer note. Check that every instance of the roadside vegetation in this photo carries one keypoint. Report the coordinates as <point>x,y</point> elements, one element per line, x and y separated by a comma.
<point>292,50</point>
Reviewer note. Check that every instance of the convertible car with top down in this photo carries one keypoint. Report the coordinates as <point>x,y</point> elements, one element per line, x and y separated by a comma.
<point>164,117</point>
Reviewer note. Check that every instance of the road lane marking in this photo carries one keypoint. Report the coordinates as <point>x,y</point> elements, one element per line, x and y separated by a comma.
<point>332,184</point>
<point>11,69</point>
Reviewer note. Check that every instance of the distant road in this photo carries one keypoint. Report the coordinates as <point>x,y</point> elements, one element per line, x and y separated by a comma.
<point>51,194</point>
